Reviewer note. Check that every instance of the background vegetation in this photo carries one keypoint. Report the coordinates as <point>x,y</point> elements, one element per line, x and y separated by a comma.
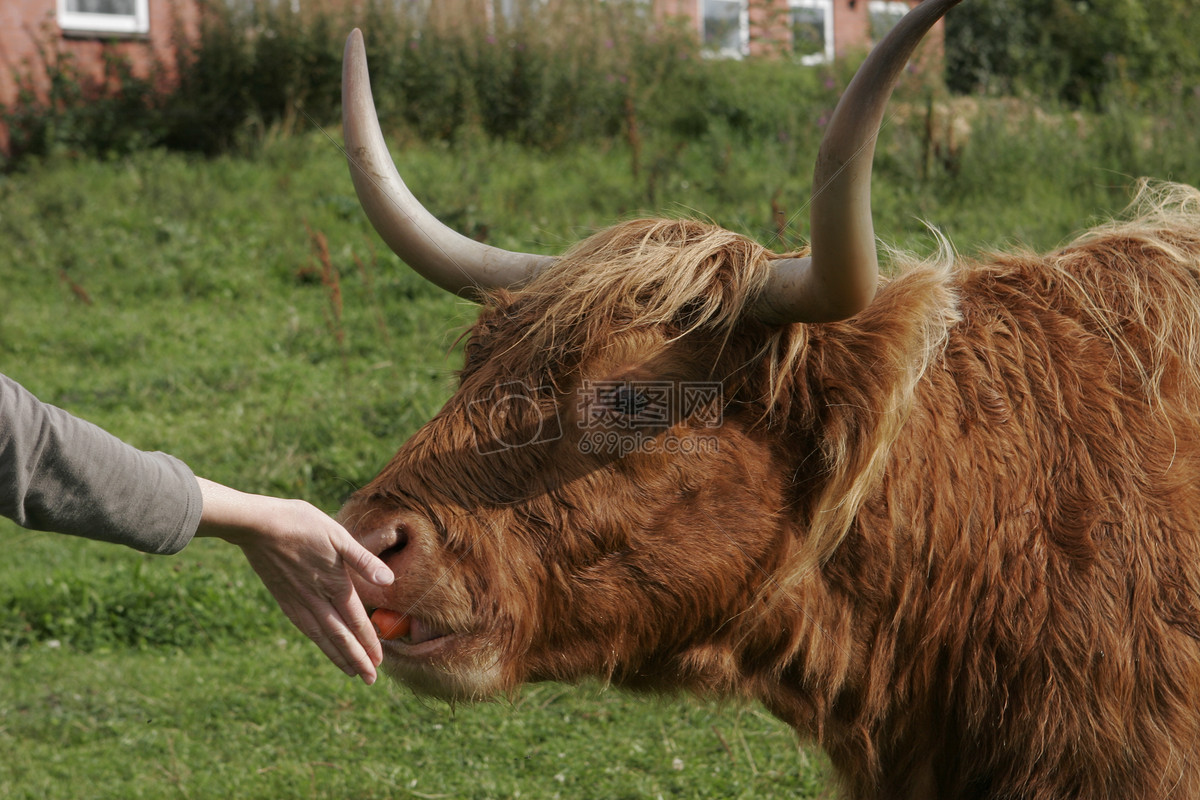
<point>1100,53</point>
<point>227,302</point>
<point>584,71</point>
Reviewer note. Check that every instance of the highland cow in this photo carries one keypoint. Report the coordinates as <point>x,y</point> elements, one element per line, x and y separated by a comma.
<point>949,528</point>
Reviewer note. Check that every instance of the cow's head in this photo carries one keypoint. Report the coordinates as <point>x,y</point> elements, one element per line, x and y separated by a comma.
<point>603,493</point>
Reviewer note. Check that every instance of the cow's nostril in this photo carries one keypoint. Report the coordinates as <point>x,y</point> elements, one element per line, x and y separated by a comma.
<point>399,544</point>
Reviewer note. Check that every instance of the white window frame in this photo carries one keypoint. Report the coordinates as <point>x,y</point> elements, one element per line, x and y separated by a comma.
<point>743,46</point>
<point>90,22</point>
<point>812,59</point>
<point>897,7</point>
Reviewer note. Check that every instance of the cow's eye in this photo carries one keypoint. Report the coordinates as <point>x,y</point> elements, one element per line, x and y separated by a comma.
<point>629,400</point>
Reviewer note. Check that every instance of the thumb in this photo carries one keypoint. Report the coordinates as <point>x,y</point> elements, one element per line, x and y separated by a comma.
<point>362,561</point>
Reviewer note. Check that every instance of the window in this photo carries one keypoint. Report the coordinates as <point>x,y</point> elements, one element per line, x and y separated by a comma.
<point>812,30</point>
<point>727,27</point>
<point>883,16</point>
<point>104,16</point>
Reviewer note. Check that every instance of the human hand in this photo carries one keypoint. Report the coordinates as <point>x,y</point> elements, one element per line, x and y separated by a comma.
<point>305,559</point>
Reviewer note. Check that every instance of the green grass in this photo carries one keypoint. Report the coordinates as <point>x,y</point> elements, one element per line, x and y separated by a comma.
<point>275,721</point>
<point>214,695</point>
<point>181,304</point>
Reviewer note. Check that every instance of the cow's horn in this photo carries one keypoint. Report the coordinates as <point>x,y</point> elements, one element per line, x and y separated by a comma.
<point>454,262</point>
<point>838,279</point>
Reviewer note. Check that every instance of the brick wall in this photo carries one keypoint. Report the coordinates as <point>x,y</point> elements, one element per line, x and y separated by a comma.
<point>26,25</point>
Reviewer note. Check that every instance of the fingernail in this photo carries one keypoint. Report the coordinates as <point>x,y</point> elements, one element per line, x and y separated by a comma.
<point>383,576</point>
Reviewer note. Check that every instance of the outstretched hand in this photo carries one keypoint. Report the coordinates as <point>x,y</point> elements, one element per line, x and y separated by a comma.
<point>304,558</point>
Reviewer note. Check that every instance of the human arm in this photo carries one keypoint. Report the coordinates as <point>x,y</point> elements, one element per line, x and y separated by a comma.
<point>60,473</point>
<point>63,474</point>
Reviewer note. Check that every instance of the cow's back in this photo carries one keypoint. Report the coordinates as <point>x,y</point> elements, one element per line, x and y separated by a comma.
<point>1043,613</point>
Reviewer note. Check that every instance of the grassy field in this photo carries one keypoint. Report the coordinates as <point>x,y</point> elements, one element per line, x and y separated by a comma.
<point>239,314</point>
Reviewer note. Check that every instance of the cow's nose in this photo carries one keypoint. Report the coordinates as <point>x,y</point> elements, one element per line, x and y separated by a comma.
<point>402,538</point>
<point>397,540</point>
<point>394,542</point>
<point>404,541</point>
<point>386,539</point>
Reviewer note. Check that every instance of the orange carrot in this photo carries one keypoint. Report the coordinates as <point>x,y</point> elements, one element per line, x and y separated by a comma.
<point>391,624</point>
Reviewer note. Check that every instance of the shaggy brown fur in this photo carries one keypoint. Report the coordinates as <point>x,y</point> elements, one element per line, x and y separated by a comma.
<point>955,538</point>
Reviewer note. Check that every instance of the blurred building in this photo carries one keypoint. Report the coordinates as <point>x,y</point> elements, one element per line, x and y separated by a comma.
<point>42,36</point>
<point>813,31</point>
<point>82,37</point>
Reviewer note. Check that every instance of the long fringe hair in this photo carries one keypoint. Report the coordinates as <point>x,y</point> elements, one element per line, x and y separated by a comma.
<point>1133,279</point>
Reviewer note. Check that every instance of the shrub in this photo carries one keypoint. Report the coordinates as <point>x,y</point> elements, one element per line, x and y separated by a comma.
<point>1077,51</point>
<point>114,115</point>
<point>576,71</point>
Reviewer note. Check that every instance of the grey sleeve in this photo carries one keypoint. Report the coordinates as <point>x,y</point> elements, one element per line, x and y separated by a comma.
<point>60,473</point>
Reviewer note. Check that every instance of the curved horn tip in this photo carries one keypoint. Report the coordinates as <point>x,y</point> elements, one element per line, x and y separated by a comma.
<point>450,260</point>
<point>354,45</point>
<point>838,280</point>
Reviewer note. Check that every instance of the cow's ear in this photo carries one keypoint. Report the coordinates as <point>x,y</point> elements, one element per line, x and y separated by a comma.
<point>500,310</point>
<point>476,341</point>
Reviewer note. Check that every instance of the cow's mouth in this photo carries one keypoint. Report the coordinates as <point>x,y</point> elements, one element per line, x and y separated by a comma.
<point>435,660</point>
<point>407,631</point>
